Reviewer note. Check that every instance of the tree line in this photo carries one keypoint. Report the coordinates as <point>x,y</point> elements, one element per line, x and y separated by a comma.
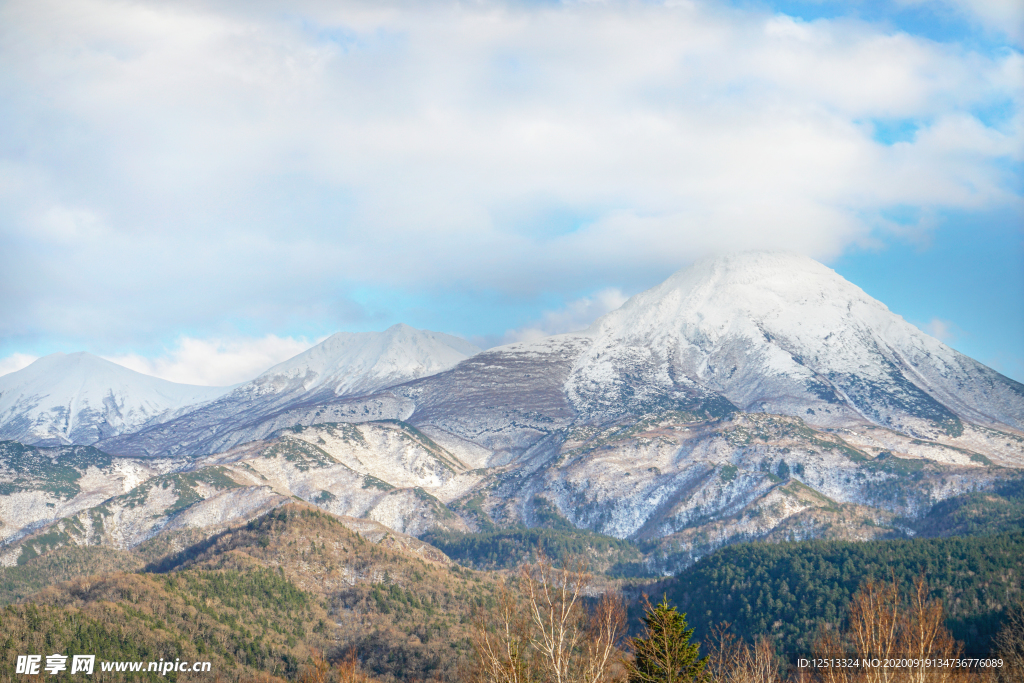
<point>542,631</point>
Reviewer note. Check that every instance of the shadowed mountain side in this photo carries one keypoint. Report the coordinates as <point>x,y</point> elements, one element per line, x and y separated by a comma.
<point>219,427</point>
<point>318,385</point>
<point>505,399</point>
<point>781,333</point>
<point>755,332</point>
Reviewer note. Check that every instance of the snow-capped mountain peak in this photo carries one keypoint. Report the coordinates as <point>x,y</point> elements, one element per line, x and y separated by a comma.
<point>351,362</point>
<point>786,301</point>
<point>81,398</point>
<point>784,333</point>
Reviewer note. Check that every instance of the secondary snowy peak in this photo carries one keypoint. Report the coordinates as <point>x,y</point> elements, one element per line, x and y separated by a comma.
<point>318,385</point>
<point>783,333</point>
<point>355,362</point>
<point>80,398</point>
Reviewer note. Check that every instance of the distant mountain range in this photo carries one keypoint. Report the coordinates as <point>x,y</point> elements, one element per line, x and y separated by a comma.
<point>81,399</point>
<point>756,395</point>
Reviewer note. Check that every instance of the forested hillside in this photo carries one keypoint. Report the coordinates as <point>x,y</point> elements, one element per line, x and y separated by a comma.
<point>786,590</point>
<point>978,513</point>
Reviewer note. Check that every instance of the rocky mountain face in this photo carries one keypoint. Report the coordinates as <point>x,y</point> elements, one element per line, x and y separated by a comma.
<point>379,471</point>
<point>78,398</point>
<point>751,396</point>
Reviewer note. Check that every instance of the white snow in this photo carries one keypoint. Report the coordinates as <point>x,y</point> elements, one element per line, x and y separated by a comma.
<point>761,327</point>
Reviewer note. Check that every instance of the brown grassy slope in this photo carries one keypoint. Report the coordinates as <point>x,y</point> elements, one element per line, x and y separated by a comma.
<point>243,622</point>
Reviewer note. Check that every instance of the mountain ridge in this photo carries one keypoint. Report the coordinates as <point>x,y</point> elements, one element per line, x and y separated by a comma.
<point>321,384</point>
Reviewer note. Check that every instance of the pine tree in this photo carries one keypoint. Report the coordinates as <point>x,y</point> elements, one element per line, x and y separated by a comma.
<point>663,652</point>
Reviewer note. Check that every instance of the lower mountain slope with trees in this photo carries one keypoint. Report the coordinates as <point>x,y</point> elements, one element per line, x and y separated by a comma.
<point>290,592</point>
<point>240,621</point>
<point>273,596</point>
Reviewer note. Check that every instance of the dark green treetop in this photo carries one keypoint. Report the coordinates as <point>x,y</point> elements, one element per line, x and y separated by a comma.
<point>663,651</point>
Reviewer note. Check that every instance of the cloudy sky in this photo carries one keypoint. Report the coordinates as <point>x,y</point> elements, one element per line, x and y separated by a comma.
<point>199,189</point>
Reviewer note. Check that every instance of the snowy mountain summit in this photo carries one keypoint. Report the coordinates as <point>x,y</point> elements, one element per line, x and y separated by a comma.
<point>781,333</point>
<point>350,363</point>
<point>754,332</point>
<point>79,398</point>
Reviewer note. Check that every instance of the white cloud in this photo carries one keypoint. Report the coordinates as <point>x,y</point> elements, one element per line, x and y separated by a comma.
<point>574,316</point>
<point>188,163</point>
<point>216,362</point>
<point>944,330</point>
<point>1001,16</point>
<point>15,362</point>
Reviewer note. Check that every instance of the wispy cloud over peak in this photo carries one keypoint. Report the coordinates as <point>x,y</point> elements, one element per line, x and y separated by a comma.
<point>216,362</point>
<point>573,317</point>
<point>15,362</point>
<point>172,166</point>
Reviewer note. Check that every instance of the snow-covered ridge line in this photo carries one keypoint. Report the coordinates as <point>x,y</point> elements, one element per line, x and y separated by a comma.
<point>347,363</point>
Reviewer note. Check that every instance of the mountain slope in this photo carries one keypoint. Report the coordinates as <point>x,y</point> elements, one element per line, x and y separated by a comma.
<point>788,589</point>
<point>78,398</point>
<point>353,363</point>
<point>263,596</point>
<point>755,332</point>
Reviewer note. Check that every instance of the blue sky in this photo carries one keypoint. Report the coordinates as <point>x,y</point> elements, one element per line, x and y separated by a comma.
<point>200,190</point>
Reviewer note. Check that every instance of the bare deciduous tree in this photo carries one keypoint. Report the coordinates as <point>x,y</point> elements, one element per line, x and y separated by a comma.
<point>874,625</point>
<point>318,671</point>
<point>829,646</point>
<point>349,670</point>
<point>884,627</point>
<point>1009,646</point>
<point>732,660</point>
<point>554,601</point>
<point>607,625</point>
<point>924,636</point>
<point>541,632</point>
<point>501,643</point>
